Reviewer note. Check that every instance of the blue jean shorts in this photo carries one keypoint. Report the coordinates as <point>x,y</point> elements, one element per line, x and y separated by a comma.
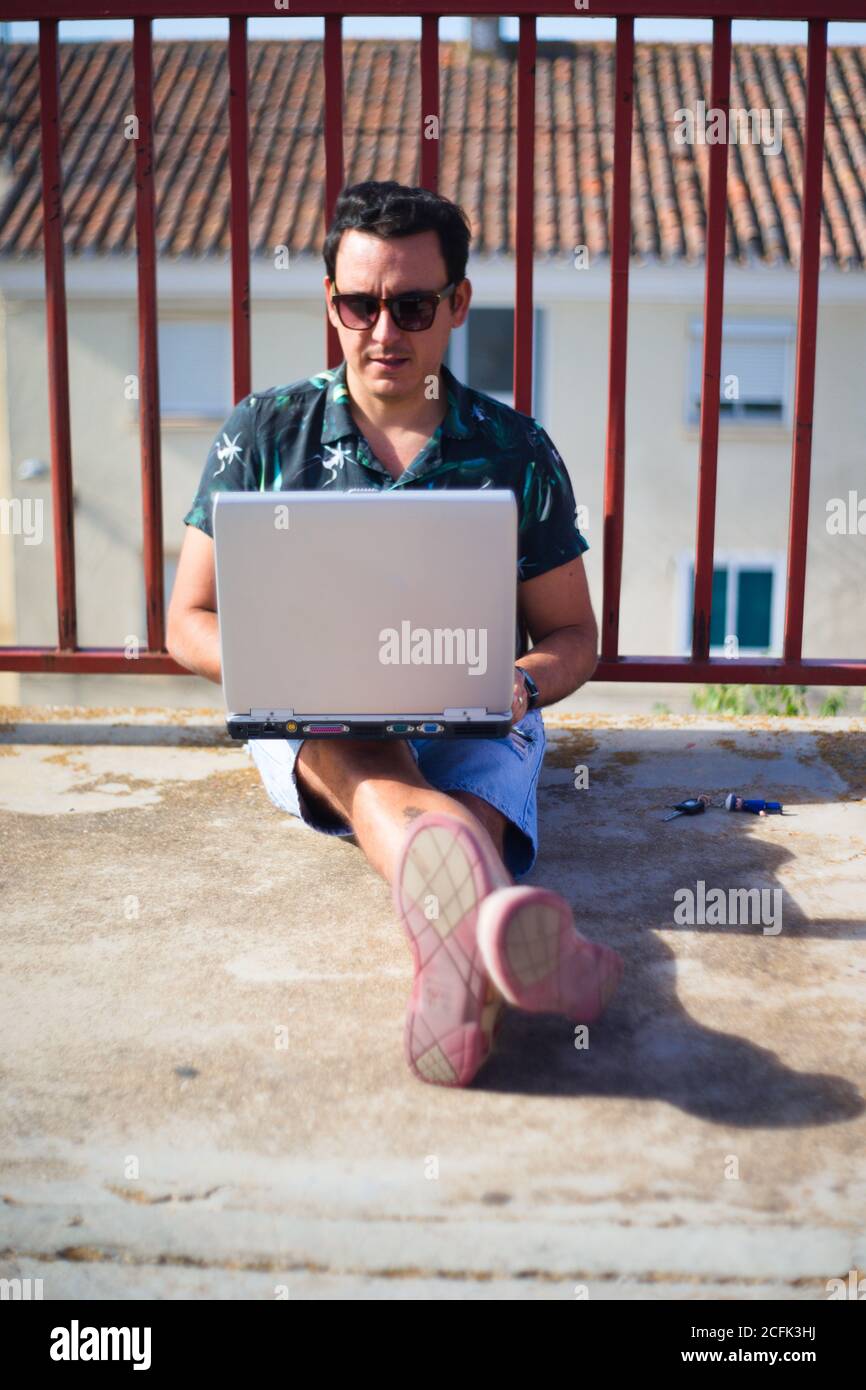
<point>503,771</point>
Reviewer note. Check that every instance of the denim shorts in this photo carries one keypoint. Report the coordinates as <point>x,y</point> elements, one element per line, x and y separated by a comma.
<point>503,771</point>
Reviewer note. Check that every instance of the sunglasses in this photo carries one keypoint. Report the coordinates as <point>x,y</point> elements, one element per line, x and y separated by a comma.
<point>412,312</point>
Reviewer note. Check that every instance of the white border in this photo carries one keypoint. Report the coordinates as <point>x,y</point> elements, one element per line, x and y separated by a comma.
<point>779,329</point>
<point>772,560</point>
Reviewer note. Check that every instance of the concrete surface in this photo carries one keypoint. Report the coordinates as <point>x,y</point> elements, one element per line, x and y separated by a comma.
<point>203,1088</point>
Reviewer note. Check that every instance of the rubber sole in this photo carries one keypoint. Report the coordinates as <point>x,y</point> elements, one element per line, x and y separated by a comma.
<point>442,879</point>
<point>539,961</point>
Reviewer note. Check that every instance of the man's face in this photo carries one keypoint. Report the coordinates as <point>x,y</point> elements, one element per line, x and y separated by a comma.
<point>391,363</point>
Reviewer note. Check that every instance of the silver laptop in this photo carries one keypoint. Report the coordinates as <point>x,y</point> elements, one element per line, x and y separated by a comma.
<point>366,613</point>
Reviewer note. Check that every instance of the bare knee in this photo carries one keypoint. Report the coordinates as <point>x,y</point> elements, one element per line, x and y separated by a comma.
<point>494,821</point>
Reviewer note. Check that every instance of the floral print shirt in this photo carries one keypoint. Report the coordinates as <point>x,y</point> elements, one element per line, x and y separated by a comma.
<point>303,436</point>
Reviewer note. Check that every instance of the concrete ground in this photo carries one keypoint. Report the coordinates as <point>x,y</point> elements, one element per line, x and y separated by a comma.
<point>203,1088</point>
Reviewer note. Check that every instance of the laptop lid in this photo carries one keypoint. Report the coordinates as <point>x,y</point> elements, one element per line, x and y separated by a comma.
<point>387,604</point>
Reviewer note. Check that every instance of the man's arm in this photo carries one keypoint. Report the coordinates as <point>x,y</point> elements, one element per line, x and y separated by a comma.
<point>557,610</point>
<point>193,630</point>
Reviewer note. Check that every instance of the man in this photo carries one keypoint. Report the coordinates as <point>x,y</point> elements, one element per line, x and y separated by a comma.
<point>447,824</point>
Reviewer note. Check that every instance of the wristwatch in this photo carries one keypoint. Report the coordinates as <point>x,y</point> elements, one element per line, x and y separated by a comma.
<point>531,687</point>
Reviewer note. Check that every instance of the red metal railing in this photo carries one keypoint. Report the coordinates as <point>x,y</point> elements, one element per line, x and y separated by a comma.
<point>69,657</point>
<point>620,255</point>
<point>148,366</point>
<point>720,100</point>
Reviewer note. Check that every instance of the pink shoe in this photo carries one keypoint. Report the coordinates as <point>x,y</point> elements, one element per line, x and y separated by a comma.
<point>442,877</point>
<point>540,961</point>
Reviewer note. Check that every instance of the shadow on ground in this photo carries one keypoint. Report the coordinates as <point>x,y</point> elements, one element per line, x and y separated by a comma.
<point>608,849</point>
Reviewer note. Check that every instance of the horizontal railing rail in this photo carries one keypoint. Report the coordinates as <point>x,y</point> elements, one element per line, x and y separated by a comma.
<point>67,656</point>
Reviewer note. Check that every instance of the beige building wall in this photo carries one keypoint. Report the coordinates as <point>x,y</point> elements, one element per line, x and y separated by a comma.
<point>9,681</point>
<point>288,343</point>
<point>753,467</point>
<point>107,480</point>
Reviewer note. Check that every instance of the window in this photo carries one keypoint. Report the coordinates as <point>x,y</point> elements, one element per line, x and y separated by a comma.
<point>195,368</point>
<point>756,371</point>
<point>481,353</point>
<point>748,595</point>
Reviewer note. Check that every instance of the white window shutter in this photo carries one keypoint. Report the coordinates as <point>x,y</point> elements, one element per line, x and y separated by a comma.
<point>195,368</point>
<point>759,366</point>
<point>756,353</point>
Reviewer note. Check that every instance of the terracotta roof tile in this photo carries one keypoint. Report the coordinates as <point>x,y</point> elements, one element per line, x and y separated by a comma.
<point>574,147</point>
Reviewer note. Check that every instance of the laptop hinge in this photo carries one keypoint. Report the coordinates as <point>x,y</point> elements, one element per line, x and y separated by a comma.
<point>457,712</point>
<point>272,714</point>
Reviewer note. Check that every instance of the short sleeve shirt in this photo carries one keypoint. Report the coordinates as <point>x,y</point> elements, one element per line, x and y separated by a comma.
<point>303,437</point>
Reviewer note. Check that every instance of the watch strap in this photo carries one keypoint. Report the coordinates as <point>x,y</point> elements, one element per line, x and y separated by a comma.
<point>531,687</point>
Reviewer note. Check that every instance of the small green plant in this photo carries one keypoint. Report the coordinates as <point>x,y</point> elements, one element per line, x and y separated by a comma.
<point>660,708</point>
<point>780,699</point>
<point>789,700</point>
<point>834,704</point>
<point>721,699</point>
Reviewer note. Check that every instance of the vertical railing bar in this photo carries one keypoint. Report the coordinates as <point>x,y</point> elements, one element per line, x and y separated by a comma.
<point>57,336</point>
<point>145,229</point>
<point>807,330</point>
<point>525,215</point>
<point>333,62</point>
<point>429,160</point>
<point>714,291</point>
<point>240,205</point>
<point>614,467</point>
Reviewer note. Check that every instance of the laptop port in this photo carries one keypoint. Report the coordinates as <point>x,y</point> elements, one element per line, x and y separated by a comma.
<point>429,728</point>
<point>399,728</point>
<point>326,728</point>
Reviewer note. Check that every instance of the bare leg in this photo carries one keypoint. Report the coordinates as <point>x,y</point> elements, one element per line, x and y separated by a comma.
<point>376,786</point>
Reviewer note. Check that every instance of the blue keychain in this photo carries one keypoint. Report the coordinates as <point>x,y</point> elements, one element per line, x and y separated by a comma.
<point>756,805</point>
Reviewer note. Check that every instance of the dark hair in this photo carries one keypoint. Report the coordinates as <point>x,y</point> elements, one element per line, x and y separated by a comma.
<point>391,209</point>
